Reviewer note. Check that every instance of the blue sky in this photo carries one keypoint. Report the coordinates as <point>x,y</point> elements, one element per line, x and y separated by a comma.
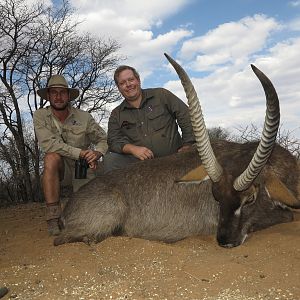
<point>215,41</point>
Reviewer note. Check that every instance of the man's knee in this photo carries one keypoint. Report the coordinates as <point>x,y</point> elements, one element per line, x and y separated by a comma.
<point>109,161</point>
<point>52,158</point>
<point>53,164</point>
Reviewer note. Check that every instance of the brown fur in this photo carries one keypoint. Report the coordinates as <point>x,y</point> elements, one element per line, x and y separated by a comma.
<point>145,200</point>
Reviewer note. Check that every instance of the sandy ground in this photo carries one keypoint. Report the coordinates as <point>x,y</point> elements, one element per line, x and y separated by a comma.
<point>267,266</point>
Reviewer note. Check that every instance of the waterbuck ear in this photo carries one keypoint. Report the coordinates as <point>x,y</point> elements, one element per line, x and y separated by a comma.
<point>278,191</point>
<point>196,175</point>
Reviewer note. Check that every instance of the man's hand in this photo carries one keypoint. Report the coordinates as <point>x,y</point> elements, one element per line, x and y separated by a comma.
<point>91,157</point>
<point>139,152</point>
<point>185,148</point>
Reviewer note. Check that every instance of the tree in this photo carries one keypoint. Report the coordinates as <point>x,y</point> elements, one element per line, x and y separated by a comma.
<point>218,133</point>
<point>284,138</point>
<point>37,42</point>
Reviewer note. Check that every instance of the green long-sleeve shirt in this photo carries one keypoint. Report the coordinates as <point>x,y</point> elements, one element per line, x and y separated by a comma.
<point>153,124</point>
<point>79,131</point>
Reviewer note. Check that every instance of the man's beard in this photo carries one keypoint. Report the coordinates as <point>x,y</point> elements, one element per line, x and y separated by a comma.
<point>59,108</point>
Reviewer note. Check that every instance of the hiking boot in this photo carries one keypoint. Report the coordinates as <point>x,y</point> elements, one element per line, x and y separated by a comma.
<point>53,212</point>
<point>53,227</point>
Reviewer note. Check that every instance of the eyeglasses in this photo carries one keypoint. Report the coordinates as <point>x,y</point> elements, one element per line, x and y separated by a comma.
<point>61,93</point>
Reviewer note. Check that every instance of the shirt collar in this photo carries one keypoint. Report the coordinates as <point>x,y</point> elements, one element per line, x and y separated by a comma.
<point>146,95</point>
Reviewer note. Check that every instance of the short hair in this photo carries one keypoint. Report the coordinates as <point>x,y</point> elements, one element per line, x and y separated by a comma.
<point>121,69</point>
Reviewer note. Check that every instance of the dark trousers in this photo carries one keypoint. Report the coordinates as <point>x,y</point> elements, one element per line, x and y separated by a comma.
<point>113,161</point>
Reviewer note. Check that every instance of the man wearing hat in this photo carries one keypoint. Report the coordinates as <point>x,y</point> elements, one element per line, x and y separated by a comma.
<point>65,134</point>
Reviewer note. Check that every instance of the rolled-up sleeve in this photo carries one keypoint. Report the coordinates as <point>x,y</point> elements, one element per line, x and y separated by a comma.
<point>97,136</point>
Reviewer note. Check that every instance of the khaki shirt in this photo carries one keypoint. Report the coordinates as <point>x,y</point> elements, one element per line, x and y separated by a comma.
<point>78,132</point>
<point>153,124</point>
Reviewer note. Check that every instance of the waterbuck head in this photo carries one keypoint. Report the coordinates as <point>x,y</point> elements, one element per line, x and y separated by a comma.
<point>245,196</point>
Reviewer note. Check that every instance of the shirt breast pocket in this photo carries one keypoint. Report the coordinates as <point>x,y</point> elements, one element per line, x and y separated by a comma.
<point>130,131</point>
<point>77,136</point>
<point>158,118</point>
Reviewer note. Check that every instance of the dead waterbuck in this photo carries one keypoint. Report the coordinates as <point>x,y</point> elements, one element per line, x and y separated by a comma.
<point>221,187</point>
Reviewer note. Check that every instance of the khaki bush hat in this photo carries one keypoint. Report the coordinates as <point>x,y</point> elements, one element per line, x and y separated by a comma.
<point>58,81</point>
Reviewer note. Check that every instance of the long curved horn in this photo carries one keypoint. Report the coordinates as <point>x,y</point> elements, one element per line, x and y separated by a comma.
<point>268,138</point>
<point>214,170</point>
